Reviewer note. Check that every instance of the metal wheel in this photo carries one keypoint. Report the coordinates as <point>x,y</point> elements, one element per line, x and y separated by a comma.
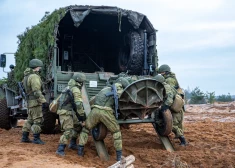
<point>164,123</point>
<point>141,98</point>
<point>99,132</point>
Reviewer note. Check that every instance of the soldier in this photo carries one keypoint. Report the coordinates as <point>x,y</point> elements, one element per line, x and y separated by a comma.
<point>70,122</point>
<point>170,77</point>
<point>35,99</point>
<point>11,83</point>
<point>177,116</point>
<point>102,111</point>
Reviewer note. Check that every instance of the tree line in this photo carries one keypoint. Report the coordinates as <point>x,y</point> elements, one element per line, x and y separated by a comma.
<point>196,96</point>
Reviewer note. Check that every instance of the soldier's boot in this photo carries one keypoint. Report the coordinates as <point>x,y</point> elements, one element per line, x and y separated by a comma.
<point>60,150</point>
<point>25,137</point>
<point>37,139</point>
<point>119,155</point>
<point>73,144</point>
<point>182,141</point>
<point>80,150</point>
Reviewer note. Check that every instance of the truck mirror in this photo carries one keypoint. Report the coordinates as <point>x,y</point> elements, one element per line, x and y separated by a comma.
<point>3,60</point>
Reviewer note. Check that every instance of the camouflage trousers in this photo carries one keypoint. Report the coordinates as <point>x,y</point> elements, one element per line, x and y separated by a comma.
<point>178,123</point>
<point>69,125</point>
<point>34,120</point>
<point>105,116</point>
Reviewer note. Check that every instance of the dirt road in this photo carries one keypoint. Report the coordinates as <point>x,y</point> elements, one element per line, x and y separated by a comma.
<point>209,130</point>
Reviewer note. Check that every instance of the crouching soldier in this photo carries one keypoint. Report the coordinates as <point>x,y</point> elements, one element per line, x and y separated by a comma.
<point>71,113</point>
<point>33,88</point>
<point>103,111</point>
<point>177,112</point>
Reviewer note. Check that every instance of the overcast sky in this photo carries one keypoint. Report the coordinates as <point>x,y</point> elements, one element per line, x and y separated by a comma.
<point>196,37</point>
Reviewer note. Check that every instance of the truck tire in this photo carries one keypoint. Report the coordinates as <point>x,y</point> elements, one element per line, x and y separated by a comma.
<point>49,121</point>
<point>131,57</point>
<point>4,115</point>
<point>165,127</point>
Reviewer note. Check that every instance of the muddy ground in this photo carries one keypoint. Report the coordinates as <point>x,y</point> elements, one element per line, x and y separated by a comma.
<point>209,129</point>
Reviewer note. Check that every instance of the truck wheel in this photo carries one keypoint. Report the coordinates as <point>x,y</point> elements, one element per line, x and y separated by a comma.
<point>165,123</point>
<point>4,115</point>
<point>49,121</point>
<point>99,132</point>
<point>131,57</point>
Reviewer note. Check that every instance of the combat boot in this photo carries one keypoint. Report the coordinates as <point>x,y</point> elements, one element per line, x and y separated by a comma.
<point>80,150</point>
<point>37,139</point>
<point>182,141</point>
<point>60,150</point>
<point>25,137</point>
<point>73,144</point>
<point>119,155</point>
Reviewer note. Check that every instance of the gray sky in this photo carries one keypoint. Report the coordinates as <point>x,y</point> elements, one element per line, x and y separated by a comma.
<point>196,37</point>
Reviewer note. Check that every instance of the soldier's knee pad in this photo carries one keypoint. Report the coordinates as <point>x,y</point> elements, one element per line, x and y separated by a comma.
<point>36,129</point>
<point>117,135</point>
<point>68,133</point>
<point>28,124</point>
<point>64,139</point>
<point>37,123</point>
<point>177,131</point>
<point>83,138</point>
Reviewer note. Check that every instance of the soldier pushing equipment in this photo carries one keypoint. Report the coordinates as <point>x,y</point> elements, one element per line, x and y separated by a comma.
<point>71,112</point>
<point>103,112</point>
<point>177,115</point>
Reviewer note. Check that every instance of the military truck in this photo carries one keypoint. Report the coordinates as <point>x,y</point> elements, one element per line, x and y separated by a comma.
<point>102,42</point>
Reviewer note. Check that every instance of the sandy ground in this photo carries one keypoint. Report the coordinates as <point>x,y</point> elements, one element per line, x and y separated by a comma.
<point>209,129</point>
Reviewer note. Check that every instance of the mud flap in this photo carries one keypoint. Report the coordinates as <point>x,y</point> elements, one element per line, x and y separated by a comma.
<point>100,146</point>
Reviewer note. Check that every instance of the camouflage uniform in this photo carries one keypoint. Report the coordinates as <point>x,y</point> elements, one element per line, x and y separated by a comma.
<point>177,116</point>
<point>33,87</point>
<point>68,120</point>
<point>70,123</point>
<point>171,80</point>
<point>102,111</point>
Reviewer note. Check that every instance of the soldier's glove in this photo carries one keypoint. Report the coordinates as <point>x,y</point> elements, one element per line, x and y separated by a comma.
<point>82,118</point>
<point>182,95</point>
<point>164,108</point>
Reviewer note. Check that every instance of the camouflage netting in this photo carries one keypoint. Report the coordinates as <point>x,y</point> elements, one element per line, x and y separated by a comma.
<point>37,42</point>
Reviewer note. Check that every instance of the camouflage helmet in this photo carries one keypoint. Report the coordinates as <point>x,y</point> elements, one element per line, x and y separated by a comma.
<point>123,81</point>
<point>34,63</point>
<point>164,68</point>
<point>79,77</point>
<point>159,78</point>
